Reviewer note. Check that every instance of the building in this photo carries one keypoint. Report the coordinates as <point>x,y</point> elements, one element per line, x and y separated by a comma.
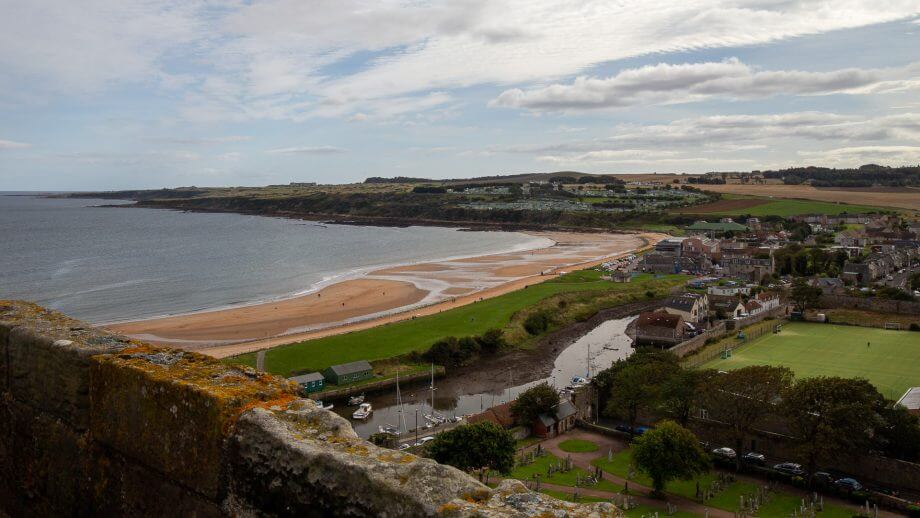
<point>911,400</point>
<point>348,372</point>
<point>659,328</point>
<point>769,301</point>
<point>829,285</point>
<point>726,306</point>
<point>728,289</point>
<point>692,307</point>
<point>752,308</point>
<point>310,382</point>
<point>560,421</point>
<point>749,268</point>
<point>621,276</point>
<point>499,415</point>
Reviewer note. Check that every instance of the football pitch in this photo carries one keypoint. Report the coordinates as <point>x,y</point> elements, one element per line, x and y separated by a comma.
<point>890,361</point>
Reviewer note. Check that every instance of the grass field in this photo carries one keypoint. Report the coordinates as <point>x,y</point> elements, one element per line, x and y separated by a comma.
<point>890,363</point>
<point>407,336</point>
<point>759,207</point>
<point>540,465</point>
<point>577,446</point>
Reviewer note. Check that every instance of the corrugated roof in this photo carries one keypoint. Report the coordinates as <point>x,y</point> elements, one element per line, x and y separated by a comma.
<point>351,368</point>
<point>911,399</point>
<point>308,377</point>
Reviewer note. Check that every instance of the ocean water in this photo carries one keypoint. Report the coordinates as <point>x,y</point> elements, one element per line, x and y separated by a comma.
<point>104,264</point>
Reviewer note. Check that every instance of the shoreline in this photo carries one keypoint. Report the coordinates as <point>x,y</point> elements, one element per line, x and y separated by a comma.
<point>381,296</point>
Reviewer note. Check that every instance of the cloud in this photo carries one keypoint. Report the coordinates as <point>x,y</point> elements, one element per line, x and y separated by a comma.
<point>667,84</point>
<point>316,150</point>
<point>740,139</point>
<point>201,141</point>
<point>9,144</point>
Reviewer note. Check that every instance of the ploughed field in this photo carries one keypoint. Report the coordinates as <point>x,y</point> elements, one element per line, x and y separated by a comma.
<point>889,359</point>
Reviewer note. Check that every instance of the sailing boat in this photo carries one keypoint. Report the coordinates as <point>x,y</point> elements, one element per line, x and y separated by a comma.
<point>434,418</point>
<point>401,426</point>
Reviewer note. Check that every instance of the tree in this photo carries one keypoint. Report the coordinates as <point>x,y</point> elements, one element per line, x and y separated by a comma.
<point>898,434</point>
<point>669,452</point>
<point>830,415</point>
<point>683,392</point>
<point>803,295</point>
<point>475,446</point>
<point>534,401</point>
<point>492,341</point>
<point>637,383</point>
<point>742,397</point>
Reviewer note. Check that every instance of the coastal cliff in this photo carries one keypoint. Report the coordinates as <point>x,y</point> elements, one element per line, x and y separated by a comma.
<point>96,424</point>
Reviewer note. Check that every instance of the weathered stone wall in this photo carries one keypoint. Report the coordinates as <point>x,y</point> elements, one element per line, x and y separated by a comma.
<point>688,346</point>
<point>904,307</point>
<point>96,424</point>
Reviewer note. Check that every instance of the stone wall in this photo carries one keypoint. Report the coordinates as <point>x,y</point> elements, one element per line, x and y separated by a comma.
<point>96,424</point>
<point>688,346</point>
<point>904,307</point>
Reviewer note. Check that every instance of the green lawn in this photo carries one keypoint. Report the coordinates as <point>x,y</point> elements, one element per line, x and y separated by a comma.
<point>782,504</point>
<point>539,466</point>
<point>577,446</point>
<point>811,349</point>
<point>786,207</point>
<point>418,334</point>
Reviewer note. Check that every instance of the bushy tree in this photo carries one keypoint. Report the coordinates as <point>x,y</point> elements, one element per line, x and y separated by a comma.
<point>492,341</point>
<point>540,399</point>
<point>743,397</point>
<point>637,383</point>
<point>669,452</point>
<point>475,446</point>
<point>683,392</point>
<point>803,295</point>
<point>830,415</point>
<point>537,323</point>
<point>898,434</point>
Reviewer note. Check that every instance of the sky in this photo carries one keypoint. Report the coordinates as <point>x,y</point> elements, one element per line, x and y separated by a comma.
<point>123,94</point>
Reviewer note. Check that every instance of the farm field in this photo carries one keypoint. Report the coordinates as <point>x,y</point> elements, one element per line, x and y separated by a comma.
<point>889,361</point>
<point>400,338</point>
<point>734,205</point>
<point>907,198</point>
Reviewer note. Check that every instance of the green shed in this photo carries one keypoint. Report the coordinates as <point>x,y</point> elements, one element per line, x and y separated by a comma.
<point>310,382</point>
<point>348,372</point>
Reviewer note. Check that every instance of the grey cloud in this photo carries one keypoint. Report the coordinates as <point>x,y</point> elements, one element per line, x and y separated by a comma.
<point>9,144</point>
<point>308,150</point>
<point>667,84</point>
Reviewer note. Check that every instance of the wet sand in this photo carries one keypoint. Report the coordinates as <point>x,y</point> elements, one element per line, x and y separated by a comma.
<point>381,296</point>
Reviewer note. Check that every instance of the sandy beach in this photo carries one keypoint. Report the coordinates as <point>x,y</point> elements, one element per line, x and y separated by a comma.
<point>380,296</point>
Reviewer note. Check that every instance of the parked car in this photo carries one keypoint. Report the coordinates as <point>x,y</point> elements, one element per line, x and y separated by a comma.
<point>848,484</point>
<point>822,478</point>
<point>790,468</point>
<point>754,458</point>
<point>639,430</point>
<point>724,453</point>
<point>404,447</point>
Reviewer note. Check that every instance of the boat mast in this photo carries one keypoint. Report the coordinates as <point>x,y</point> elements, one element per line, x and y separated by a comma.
<point>432,390</point>
<point>401,424</point>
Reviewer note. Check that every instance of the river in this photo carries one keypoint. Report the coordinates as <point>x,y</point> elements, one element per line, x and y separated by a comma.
<point>604,344</point>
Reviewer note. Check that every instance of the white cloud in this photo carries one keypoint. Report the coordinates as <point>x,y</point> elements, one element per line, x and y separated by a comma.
<point>307,150</point>
<point>201,141</point>
<point>667,84</point>
<point>858,155</point>
<point>10,144</point>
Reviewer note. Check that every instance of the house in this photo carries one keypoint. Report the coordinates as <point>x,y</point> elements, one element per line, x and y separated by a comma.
<point>310,382</point>
<point>560,421</point>
<point>499,415</point>
<point>621,276</point>
<point>911,400</point>
<point>752,308</point>
<point>659,328</point>
<point>749,268</point>
<point>769,301</point>
<point>828,285</point>
<point>670,246</point>
<point>348,372</point>
<point>726,306</point>
<point>729,289</point>
<point>692,307</point>
<point>723,226</point>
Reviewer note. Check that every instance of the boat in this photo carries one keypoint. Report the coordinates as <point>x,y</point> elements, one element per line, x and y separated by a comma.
<point>388,428</point>
<point>319,403</point>
<point>356,400</point>
<point>363,412</point>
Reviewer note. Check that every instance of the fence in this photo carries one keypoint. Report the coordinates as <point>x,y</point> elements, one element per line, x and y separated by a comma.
<point>708,354</point>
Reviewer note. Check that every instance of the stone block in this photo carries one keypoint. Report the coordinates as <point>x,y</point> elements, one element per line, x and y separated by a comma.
<point>43,463</point>
<point>47,360</point>
<point>299,459</point>
<point>172,410</point>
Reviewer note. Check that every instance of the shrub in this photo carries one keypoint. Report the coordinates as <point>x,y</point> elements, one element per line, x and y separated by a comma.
<point>492,341</point>
<point>914,326</point>
<point>537,323</point>
<point>650,294</point>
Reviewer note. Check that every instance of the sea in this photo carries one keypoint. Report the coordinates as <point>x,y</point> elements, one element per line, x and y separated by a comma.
<point>110,264</point>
